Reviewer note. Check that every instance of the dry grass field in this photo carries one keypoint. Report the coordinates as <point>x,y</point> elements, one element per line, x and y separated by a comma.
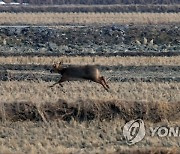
<point>81,116</point>
<point>124,61</point>
<point>37,92</point>
<point>88,18</point>
<point>89,119</point>
<point>75,137</point>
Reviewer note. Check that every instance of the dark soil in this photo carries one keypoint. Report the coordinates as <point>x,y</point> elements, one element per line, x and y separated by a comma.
<point>114,40</point>
<point>93,8</point>
<point>104,35</point>
<point>115,73</point>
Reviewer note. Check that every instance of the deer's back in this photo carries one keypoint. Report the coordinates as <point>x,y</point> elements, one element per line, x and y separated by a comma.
<point>84,72</point>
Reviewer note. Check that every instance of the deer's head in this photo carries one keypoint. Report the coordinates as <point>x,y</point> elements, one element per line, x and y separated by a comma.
<point>56,67</point>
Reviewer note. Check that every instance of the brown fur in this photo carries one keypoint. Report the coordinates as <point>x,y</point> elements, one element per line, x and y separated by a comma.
<point>86,72</point>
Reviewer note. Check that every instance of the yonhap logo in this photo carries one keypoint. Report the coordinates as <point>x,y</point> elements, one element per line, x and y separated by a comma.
<point>134,131</point>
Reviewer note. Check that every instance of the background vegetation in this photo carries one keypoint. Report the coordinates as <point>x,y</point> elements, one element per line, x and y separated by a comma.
<point>90,2</point>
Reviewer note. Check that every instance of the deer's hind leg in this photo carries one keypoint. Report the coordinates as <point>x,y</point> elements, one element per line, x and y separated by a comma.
<point>100,81</point>
<point>104,81</point>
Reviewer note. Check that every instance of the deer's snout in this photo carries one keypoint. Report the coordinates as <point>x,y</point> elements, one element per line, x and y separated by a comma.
<point>54,70</point>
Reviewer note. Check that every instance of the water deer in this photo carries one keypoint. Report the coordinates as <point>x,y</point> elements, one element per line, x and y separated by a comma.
<point>72,73</point>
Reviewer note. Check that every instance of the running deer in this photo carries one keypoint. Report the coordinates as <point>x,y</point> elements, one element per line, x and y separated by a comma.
<point>72,73</point>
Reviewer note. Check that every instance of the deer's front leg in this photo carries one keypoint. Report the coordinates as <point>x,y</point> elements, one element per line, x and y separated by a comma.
<point>59,82</point>
<point>63,78</point>
<point>54,84</point>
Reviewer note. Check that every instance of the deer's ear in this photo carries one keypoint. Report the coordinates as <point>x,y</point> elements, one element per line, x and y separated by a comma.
<point>60,63</point>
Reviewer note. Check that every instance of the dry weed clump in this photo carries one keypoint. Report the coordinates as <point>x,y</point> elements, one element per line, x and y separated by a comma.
<point>88,18</point>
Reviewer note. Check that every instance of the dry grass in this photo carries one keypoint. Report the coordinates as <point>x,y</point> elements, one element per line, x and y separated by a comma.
<point>88,18</point>
<point>125,61</point>
<point>39,92</point>
<point>87,110</point>
<point>69,109</point>
<point>74,137</point>
<point>82,117</point>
